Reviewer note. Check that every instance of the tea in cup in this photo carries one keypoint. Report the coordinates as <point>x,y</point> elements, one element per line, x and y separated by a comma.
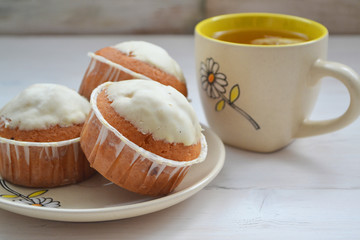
<point>260,36</point>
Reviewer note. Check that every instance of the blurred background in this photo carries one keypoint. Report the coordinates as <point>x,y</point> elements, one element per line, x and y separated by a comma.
<point>21,17</point>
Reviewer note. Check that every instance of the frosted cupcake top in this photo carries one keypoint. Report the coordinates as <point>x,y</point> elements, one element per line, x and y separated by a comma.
<point>153,55</point>
<point>41,106</point>
<point>156,109</point>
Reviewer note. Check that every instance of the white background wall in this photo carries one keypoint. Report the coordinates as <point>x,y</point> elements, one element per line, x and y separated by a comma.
<point>159,16</point>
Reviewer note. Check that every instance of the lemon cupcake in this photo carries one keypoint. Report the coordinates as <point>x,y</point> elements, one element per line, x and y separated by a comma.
<point>39,137</point>
<point>142,135</point>
<point>132,60</point>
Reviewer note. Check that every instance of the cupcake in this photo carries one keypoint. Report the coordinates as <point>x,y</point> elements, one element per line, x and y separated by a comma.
<point>40,137</point>
<point>142,136</point>
<point>132,60</point>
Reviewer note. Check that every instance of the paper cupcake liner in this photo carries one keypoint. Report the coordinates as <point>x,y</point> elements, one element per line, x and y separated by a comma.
<point>45,164</point>
<point>125,163</point>
<point>101,70</point>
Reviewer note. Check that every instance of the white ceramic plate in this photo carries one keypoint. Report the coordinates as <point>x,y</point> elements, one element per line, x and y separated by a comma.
<point>97,199</point>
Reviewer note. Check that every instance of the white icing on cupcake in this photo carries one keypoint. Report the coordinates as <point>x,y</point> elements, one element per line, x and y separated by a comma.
<point>41,106</point>
<point>153,55</point>
<point>156,109</point>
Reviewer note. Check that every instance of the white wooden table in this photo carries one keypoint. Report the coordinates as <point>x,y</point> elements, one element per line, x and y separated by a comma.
<point>309,190</point>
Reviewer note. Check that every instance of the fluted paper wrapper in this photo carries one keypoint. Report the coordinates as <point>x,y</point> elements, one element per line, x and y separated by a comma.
<point>125,163</point>
<point>101,70</point>
<point>45,164</point>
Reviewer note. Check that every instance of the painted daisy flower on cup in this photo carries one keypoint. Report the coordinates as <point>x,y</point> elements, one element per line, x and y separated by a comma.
<point>214,83</point>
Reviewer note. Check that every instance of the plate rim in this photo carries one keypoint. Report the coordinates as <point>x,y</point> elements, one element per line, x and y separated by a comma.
<point>122,211</point>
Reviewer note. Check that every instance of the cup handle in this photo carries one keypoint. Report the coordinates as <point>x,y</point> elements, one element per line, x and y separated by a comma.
<point>351,80</point>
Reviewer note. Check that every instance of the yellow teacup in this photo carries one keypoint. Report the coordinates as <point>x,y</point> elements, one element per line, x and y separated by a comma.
<point>260,97</point>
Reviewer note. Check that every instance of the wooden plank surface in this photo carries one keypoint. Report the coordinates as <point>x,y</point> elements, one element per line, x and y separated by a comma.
<point>309,190</point>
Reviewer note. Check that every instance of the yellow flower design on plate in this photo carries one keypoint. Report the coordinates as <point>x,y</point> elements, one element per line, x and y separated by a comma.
<point>30,199</point>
